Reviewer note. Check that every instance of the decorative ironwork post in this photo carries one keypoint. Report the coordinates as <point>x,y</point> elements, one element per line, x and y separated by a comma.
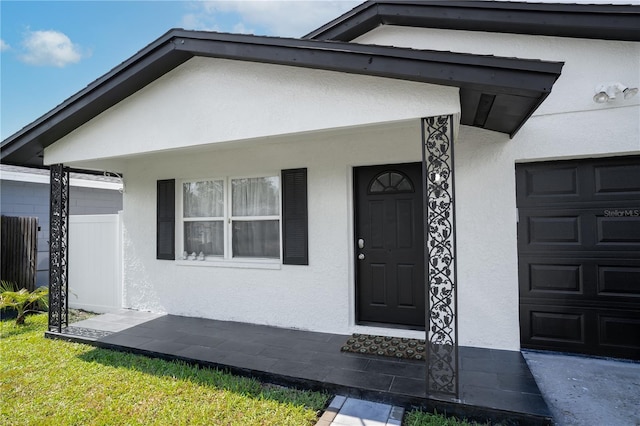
<point>440,256</point>
<point>58,252</point>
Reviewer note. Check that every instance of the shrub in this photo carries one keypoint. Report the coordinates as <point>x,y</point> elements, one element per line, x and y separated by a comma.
<point>23,301</point>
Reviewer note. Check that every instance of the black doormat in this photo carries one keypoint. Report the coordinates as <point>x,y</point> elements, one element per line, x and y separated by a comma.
<point>396,347</point>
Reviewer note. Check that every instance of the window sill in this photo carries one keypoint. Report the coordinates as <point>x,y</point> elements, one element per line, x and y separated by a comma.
<point>240,264</point>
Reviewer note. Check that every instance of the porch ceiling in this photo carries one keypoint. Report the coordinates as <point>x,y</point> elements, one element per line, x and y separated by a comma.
<point>496,93</point>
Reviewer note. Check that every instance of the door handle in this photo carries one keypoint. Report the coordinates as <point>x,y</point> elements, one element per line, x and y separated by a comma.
<point>360,243</point>
<point>361,256</point>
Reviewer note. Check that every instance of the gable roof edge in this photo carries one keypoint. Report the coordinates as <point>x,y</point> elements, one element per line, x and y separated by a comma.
<point>591,21</point>
<point>530,81</point>
<point>95,92</point>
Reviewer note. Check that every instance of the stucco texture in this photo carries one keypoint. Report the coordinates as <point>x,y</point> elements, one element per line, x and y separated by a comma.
<point>212,101</point>
<point>214,118</point>
<point>318,296</point>
<point>567,125</point>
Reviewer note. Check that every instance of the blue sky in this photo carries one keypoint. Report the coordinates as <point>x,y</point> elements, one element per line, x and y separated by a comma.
<point>52,49</point>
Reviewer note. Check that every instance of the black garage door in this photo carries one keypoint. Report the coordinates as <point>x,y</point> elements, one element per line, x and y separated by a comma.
<point>579,256</point>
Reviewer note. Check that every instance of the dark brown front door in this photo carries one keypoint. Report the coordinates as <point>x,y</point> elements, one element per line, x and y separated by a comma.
<point>388,242</point>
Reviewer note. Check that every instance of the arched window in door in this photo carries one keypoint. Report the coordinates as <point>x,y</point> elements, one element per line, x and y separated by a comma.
<point>390,182</point>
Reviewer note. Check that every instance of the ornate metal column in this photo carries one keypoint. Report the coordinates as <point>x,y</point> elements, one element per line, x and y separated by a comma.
<point>440,257</point>
<point>58,243</point>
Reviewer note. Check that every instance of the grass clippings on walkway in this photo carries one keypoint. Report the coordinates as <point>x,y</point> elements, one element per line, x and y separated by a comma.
<point>45,381</point>
<point>423,418</point>
<point>76,315</point>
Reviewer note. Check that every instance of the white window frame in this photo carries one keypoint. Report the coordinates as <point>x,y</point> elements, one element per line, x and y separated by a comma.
<point>183,219</point>
<point>227,259</point>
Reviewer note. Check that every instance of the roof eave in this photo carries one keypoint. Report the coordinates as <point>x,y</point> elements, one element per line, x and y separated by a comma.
<point>591,21</point>
<point>138,71</point>
<point>525,82</point>
<point>501,75</point>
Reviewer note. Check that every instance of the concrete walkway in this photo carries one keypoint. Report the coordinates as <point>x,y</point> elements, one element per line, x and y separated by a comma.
<point>587,391</point>
<point>345,411</point>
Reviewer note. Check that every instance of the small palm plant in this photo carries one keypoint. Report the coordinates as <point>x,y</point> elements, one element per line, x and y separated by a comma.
<point>23,301</point>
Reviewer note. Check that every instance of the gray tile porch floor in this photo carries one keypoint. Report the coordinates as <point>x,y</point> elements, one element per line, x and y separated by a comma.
<point>494,385</point>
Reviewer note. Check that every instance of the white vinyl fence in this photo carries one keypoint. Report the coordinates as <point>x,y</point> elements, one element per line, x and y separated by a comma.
<point>95,262</point>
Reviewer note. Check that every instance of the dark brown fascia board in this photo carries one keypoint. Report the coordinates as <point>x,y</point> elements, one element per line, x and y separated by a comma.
<point>528,78</point>
<point>591,21</point>
<point>352,24</point>
<point>522,77</point>
<point>128,77</point>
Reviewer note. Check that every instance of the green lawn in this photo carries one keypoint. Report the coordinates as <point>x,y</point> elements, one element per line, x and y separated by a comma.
<point>52,382</point>
<point>421,418</point>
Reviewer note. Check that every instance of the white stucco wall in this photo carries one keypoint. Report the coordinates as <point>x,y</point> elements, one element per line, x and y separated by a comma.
<point>279,113</point>
<point>216,118</point>
<point>319,296</point>
<point>486,208</point>
<point>208,101</point>
<point>567,125</point>
<point>587,62</point>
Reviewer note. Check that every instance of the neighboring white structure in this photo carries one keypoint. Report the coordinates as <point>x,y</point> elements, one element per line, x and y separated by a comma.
<point>540,262</point>
<point>95,263</point>
<point>24,192</point>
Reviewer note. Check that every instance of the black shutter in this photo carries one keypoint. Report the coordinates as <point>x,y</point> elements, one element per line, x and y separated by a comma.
<point>165,219</point>
<point>294,216</point>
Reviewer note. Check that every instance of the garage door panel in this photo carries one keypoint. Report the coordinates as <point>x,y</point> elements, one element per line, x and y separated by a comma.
<point>618,231</point>
<point>615,333</point>
<point>583,182</point>
<point>561,230</point>
<point>617,179</point>
<point>615,280</point>
<point>557,327</point>
<point>555,278</point>
<point>586,229</point>
<point>548,327</point>
<point>582,280</point>
<point>556,183</point>
<point>620,331</point>
<point>579,255</point>
<point>555,230</point>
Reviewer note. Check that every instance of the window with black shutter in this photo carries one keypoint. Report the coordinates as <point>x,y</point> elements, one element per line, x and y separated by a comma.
<point>295,218</point>
<point>250,216</point>
<point>165,232</point>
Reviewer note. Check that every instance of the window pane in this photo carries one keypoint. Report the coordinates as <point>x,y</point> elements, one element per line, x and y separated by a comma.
<point>376,187</point>
<point>255,196</point>
<point>203,199</point>
<point>256,238</point>
<point>404,185</point>
<point>207,237</point>
<point>390,182</point>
